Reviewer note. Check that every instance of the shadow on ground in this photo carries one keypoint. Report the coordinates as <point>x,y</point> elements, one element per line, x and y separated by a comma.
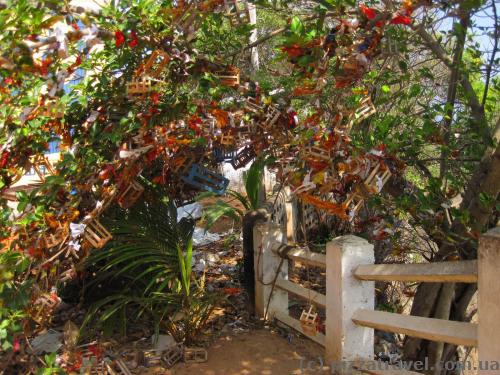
<point>257,352</point>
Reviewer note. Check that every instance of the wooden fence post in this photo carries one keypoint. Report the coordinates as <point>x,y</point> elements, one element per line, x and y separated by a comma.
<point>488,305</point>
<point>345,294</point>
<point>267,239</point>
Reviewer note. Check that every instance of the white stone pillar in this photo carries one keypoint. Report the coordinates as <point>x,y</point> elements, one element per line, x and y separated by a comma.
<point>345,294</point>
<point>290,218</point>
<point>267,239</point>
<point>488,303</point>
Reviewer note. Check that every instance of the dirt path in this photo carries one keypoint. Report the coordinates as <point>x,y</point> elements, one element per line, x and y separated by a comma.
<point>259,352</point>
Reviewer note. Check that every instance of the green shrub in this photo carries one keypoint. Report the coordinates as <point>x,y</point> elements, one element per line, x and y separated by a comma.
<point>145,272</point>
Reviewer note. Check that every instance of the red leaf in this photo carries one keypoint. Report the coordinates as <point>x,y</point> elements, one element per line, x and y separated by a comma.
<point>232,291</point>
<point>155,97</point>
<point>401,20</point>
<point>3,160</point>
<point>74,25</point>
<point>95,350</point>
<point>293,51</point>
<point>370,13</point>
<point>17,346</point>
<point>119,38</point>
<point>134,40</point>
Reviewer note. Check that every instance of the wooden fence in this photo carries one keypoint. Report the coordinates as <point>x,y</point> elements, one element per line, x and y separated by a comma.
<point>350,294</point>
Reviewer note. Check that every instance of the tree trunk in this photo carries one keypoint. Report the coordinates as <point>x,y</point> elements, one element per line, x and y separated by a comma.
<point>485,181</point>
<point>254,53</point>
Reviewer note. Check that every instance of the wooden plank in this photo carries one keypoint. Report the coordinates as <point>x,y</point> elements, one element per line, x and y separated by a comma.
<point>309,295</point>
<point>308,257</point>
<point>457,333</point>
<point>454,272</point>
<point>295,324</point>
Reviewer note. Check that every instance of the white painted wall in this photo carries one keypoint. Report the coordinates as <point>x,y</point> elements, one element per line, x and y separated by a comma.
<point>235,177</point>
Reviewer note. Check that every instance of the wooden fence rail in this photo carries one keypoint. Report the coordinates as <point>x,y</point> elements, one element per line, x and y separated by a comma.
<point>350,295</point>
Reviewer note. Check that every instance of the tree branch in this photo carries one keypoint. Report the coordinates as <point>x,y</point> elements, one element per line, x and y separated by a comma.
<point>493,53</point>
<point>477,110</point>
<point>452,88</point>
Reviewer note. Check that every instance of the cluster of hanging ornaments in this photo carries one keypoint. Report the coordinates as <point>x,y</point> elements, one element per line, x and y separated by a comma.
<point>326,171</point>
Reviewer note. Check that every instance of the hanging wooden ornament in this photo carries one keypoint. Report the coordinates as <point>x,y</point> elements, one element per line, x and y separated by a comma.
<point>244,131</point>
<point>204,179</point>
<point>221,155</point>
<point>54,238</point>
<point>251,105</point>
<point>377,178</point>
<point>272,116</point>
<point>373,183</point>
<point>96,235</point>
<point>227,140</point>
<point>52,109</point>
<point>139,88</point>
<point>208,126</point>
<point>229,77</point>
<point>308,321</point>
<point>195,355</point>
<point>354,202</point>
<point>317,153</point>
<point>236,15</point>
<point>42,167</point>
<point>365,110</point>
<point>155,64</point>
<point>130,194</point>
<point>243,157</point>
<point>43,306</point>
<point>107,198</point>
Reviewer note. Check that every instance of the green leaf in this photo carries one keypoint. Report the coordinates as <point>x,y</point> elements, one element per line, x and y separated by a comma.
<point>415,90</point>
<point>296,25</point>
<point>403,65</point>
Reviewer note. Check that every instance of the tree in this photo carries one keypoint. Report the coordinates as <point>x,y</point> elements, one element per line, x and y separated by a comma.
<point>149,87</point>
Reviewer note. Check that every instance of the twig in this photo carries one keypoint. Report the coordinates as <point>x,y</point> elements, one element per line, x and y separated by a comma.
<point>493,53</point>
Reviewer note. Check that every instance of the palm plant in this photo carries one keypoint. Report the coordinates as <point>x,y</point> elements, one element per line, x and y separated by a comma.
<point>147,272</point>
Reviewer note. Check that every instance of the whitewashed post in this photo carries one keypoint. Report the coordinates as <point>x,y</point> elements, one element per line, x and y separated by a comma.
<point>290,216</point>
<point>267,239</point>
<point>345,294</point>
<point>488,306</point>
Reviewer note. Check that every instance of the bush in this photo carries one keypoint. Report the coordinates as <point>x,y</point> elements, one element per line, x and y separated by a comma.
<point>146,273</point>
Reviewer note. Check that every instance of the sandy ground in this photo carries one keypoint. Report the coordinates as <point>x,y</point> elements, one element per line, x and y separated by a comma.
<point>262,351</point>
<point>256,352</point>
